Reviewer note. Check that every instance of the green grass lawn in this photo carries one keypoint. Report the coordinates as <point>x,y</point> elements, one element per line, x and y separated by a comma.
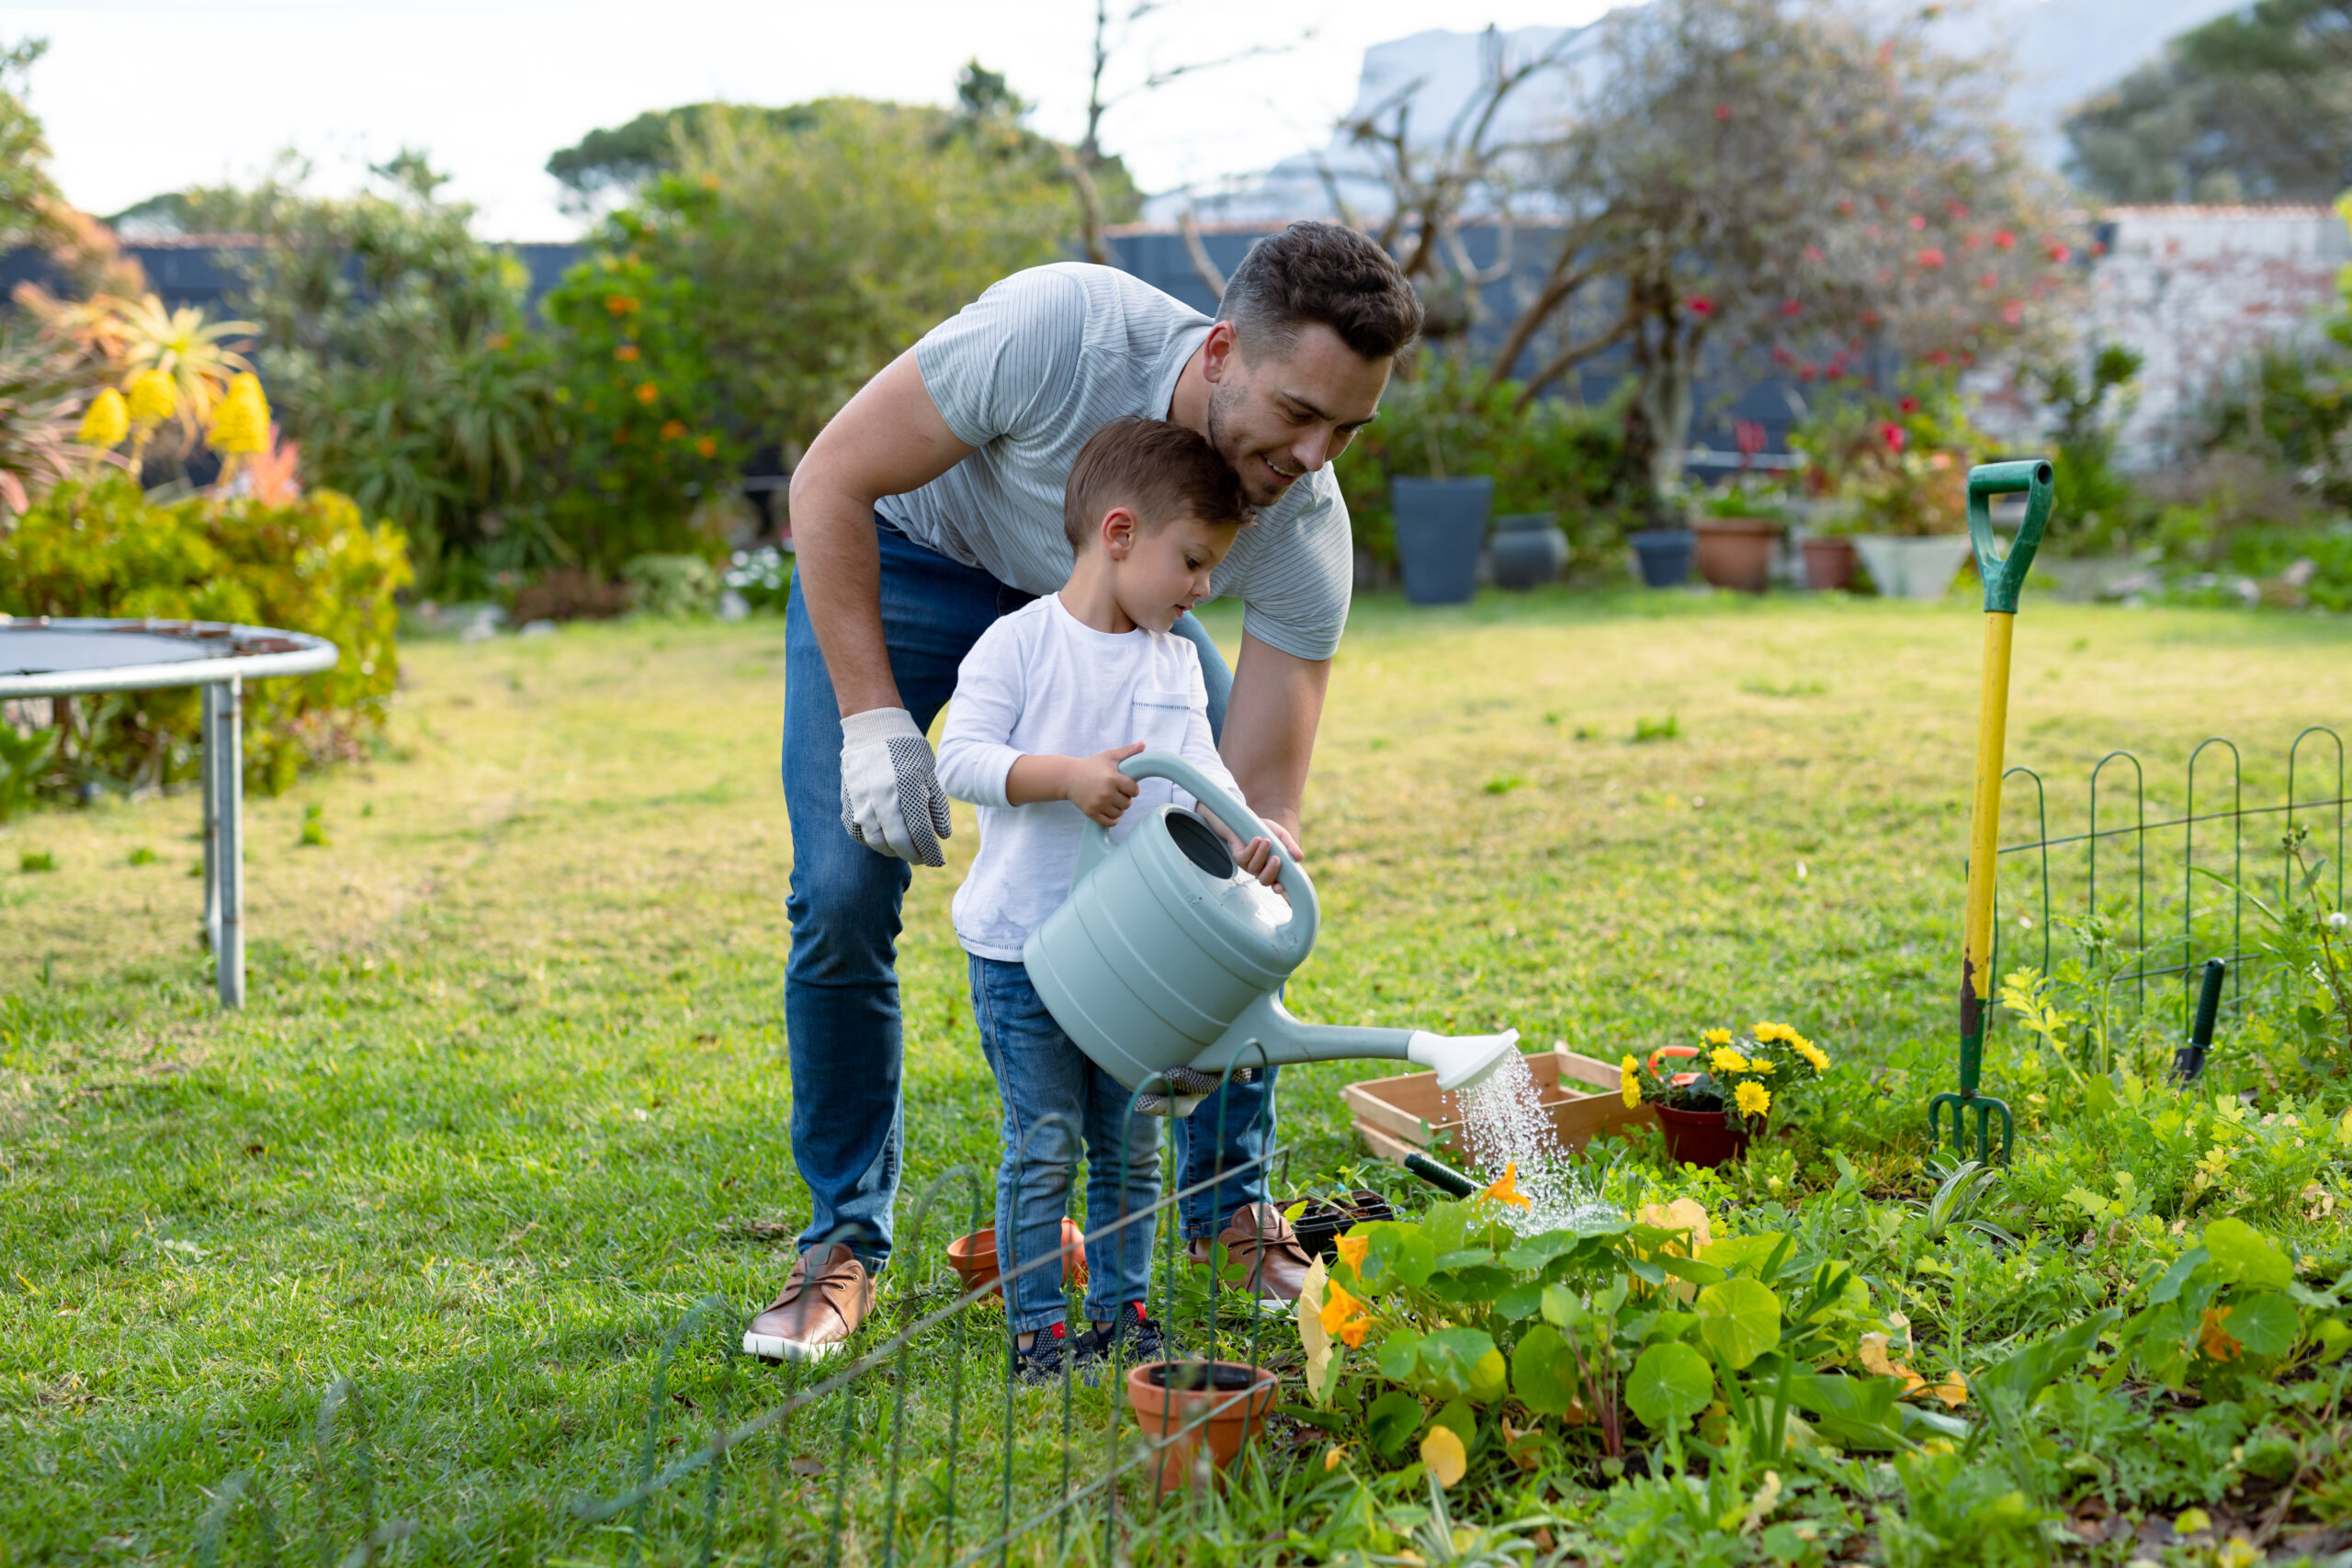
<point>510,1093</point>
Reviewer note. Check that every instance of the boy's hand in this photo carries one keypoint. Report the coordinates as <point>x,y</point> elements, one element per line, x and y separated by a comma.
<point>1257,858</point>
<point>1095,785</point>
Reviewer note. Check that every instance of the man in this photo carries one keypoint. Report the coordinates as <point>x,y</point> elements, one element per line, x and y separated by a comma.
<point>932,504</point>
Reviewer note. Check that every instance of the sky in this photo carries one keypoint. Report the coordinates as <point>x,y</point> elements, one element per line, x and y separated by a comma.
<point>146,96</point>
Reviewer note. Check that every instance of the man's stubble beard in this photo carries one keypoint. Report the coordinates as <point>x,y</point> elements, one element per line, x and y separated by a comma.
<point>1224,439</point>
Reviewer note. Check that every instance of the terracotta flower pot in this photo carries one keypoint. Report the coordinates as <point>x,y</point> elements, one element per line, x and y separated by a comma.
<point>1171,1397</point>
<point>1699,1137</point>
<point>973,1257</point>
<point>1736,552</point>
<point>1829,562</point>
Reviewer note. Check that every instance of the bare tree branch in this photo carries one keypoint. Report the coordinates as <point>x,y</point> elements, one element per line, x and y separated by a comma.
<point>1199,254</point>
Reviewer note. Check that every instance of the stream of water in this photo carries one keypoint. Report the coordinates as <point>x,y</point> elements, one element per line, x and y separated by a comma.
<point>1504,1124</point>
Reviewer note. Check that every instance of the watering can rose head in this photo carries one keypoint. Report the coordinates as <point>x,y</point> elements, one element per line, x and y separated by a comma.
<point>1165,965</point>
<point>1742,1076</point>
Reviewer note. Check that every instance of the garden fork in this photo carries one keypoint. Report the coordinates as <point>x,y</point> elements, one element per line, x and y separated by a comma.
<point>2004,577</point>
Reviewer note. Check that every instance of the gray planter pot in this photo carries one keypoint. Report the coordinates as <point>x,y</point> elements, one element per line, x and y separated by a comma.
<point>1440,526</point>
<point>1528,547</point>
<point>1663,556</point>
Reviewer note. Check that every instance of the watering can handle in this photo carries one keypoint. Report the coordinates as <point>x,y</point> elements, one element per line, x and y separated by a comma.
<point>1305,913</point>
<point>2004,577</point>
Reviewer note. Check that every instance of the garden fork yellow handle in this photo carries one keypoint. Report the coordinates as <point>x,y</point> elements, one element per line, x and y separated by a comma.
<point>2004,576</point>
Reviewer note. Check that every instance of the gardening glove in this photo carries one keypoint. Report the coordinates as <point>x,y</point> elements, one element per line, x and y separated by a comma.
<point>892,801</point>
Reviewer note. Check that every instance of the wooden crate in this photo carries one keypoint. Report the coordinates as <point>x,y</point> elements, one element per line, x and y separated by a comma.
<point>1395,1116</point>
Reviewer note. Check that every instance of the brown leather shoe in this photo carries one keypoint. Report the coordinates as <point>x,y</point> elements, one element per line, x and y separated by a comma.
<point>824,1299</point>
<point>1272,1264</point>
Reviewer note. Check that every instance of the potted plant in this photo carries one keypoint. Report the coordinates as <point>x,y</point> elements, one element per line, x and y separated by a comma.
<point>1827,544</point>
<point>1528,548</point>
<point>1440,523</point>
<point>1189,1405</point>
<point>1710,1109</point>
<point>1737,530</point>
<point>1904,465</point>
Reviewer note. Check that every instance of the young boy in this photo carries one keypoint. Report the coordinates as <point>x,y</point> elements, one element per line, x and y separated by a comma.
<point>1049,702</point>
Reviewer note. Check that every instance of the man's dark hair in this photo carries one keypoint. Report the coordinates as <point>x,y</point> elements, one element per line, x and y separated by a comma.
<point>1322,272</point>
<point>1157,470</point>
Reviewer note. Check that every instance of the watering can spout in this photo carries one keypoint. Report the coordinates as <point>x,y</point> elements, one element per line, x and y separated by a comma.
<point>1267,1035</point>
<point>1459,1060</point>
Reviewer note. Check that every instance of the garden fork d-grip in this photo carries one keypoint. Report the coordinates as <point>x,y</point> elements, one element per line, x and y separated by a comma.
<point>2004,577</point>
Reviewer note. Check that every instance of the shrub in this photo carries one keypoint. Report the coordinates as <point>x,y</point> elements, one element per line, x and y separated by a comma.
<point>1548,456</point>
<point>100,548</point>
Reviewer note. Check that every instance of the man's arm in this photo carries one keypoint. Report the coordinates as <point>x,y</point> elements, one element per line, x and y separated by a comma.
<point>887,440</point>
<point>1269,723</point>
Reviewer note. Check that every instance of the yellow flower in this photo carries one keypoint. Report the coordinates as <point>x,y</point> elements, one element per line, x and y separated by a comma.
<point>241,425</point>
<point>1810,1053</point>
<point>1761,1067</point>
<point>1506,1187</point>
<point>1716,1037</point>
<point>1753,1098</point>
<point>106,422</point>
<point>1629,1083</point>
<point>1769,1033</point>
<point>1351,1251</point>
<point>1724,1059</point>
<point>153,397</point>
<point>1345,1317</point>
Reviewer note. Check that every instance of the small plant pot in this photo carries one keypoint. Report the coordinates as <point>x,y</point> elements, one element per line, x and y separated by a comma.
<point>1662,556</point>
<point>1172,1401</point>
<point>1699,1137</point>
<point>1527,548</point>
<point>973,1258</point>
<point>1736,552</point>
<point>1319,1223</point>
<point>1440,526</point>
<point>1830,563</point>
<point>1914,568</point>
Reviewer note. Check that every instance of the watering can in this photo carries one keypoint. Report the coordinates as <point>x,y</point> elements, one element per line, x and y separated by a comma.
<point>1165,963</point>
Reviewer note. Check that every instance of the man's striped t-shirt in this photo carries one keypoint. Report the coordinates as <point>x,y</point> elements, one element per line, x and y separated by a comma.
<point>1029,370</point>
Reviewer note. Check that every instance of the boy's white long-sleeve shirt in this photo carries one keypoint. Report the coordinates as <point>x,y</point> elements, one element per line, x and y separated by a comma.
<point>1040,682</point>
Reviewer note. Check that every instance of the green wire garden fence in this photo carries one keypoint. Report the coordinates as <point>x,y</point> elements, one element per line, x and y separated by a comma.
<point>2159,880</point>
<point>915,1446</point>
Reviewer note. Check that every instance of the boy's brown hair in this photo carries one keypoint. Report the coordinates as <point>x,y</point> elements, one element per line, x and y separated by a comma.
<point>1157,470</point>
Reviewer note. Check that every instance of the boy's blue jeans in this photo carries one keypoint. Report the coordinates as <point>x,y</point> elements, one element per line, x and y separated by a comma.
<point>841,984</point>
<point>1054,1097</point>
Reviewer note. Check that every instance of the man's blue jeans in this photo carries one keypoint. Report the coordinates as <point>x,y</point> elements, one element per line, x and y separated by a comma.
<point>840,984</point>
<point>1054,1098</point>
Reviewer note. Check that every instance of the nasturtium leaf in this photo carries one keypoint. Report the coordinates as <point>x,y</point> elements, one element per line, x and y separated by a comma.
<point>1446,1226</point>
<point>1542,1372</point>
<point>1450,1358</point>
<point>1560,1306</point>
<point>1394,1418</point>
<point>1537,1250</point>
<point>2242,1254</point>
<point>1442,1452</point>
<point>1459,1418</point>
<point>1734,1253</point>
<point>1487,1378</point>
<point>1398,1354</point>
<point>2334,1337</point>
<point>1670,1384</point>
<point>1401,1254</point>
<point>1691,1268</point>
<point>1740,1320</point>
<point>2264,1324</point>
<point>1518,1302</point>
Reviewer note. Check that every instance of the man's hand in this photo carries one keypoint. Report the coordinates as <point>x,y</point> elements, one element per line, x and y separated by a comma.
<point>1095,785</point>
<point>892,801</point>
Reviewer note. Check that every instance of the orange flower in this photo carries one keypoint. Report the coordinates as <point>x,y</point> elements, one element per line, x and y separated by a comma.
<point>619,304</point>
<point>1506,1189</point>
<point>2214,1339</point>
<point>1344,1318</point>
<point>627,354</point>
<point>671,430</point>
<point>708,447</point>
<point>647,391</point>
<point>1351,1251</point>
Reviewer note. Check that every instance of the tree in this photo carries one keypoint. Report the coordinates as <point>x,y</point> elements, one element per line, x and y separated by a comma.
<point>1741,177</point>
<point>2254,105</point>
<point>28,199</point>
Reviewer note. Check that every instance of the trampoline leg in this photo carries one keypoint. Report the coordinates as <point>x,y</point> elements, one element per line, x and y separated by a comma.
<point>209,787</point>
<point>228,800</point>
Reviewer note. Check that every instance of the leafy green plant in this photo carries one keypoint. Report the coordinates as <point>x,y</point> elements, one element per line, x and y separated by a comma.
<point>1648,730</point>
<point>36,859</point>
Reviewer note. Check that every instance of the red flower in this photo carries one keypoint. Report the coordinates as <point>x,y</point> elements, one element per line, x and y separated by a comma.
<point>2058,253</point>
<point>1957,208</point>
<point>1722,111</point>
<point>1782,356</point>
<point>1908,405</point>
<point>1917,223</point>
<point>1869,318</point>
<point>1988,281</point>
<point>1929,257</point>
<point>2004,240</point>
<point>1792,308</point>
<point>1812,252</point>
<point>1845,207</point>
<point>1893,435</point>
<point>1940,357</point>
<point>1700,305</point>
<point>2012,312</point>
<point>1807,371</point>
<point>2099,247</point>
<point>1971,239</point>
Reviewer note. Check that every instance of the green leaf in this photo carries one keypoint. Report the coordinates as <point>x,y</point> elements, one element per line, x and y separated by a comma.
<point>1447,1226</point>
<point>1399,1355</point>
<point>2334,1337</point>
<point>1488,1378</point>
<point>1670,1384</point>
<point>1853,1413</point>
<point>1456,1417</point>
<point>1391,1422</point>
<point>2265,1323</point>
<point>2245,1255</point>
<point>1478,1282</point>
<point>2099,1094</point>
<point>1734,1253</point>
<point>1519,1303</point>
<point>1561,1307</point>
<point>1696,1270</point>
<point>1740,1320</point>
<point>2188,1263</point>
<point>1324,1420</point>
<point>1401,1254</point>
<point>1450,1359</point>
<point>1542,1371</point>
